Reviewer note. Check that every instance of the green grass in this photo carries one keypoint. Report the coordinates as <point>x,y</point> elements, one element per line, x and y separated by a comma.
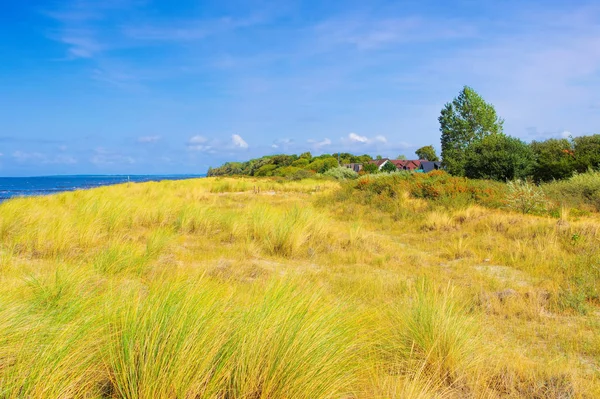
<point>211,288</point>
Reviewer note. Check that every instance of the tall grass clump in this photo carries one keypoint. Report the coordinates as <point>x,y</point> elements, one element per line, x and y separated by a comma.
<point>289,343</point>
<point>198,341</point>
<point>167,343</point>
<point>432,333</point>
<point>286,233</point>
<point>580,191</point>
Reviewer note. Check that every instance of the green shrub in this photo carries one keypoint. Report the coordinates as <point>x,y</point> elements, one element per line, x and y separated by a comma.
<point>341,173</point>
<point>525,197</point>
<point>581,190</point>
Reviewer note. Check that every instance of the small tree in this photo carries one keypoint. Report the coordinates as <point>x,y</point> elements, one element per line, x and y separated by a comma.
<point>428,153</point>
<point>467,118</point>
<point>402,157</point>
<point>498,157</point>
<point>389,167</point>
<point>370,168</point>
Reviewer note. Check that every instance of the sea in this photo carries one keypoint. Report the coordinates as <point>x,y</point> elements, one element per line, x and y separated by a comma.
<point>44,185</point>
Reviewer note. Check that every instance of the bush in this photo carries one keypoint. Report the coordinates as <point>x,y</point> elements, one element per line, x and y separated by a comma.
<point>525,197</point>
<point>341,173</point>
<point>389,167</point>
<point>498,157</point>
<point>581,190</point>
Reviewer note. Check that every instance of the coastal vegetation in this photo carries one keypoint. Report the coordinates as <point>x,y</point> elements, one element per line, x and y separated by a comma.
<point>473,144</point>
<point>391,285</point>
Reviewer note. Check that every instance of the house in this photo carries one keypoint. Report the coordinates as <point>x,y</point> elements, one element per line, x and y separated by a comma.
<point>420,165</point>
<point>428,166</point>
<point>357,167</point>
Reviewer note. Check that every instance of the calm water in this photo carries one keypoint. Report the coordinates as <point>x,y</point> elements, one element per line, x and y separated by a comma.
<point>27,186</point>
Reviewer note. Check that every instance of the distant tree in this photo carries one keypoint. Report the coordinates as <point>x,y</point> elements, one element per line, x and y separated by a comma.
<point>378,157</point>
<point>389,167</point>
<point>466,119</point>
<point>428,153</point>
<point>498,157</point>
<point>364,158</point>
<point>587,152</point>
<point>301,162</point>
<point>401,157</point>
<point>554,159</point>
<point>306,155</point>
<point>370,168</point>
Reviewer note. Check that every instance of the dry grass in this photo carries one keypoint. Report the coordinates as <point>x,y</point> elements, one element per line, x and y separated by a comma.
<point>240,288</point>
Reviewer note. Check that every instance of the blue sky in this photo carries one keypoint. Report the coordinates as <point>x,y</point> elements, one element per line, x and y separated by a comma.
<point>142,86</point>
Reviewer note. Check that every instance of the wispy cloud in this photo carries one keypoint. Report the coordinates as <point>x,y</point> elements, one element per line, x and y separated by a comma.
<point>203,144</point>
<point>43,159</point>
<point>105,157</point>
<point>355,138</point>
<point>319,144</point>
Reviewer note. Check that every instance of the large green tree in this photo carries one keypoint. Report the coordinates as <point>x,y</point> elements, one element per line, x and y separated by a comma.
<point>428,153</point>
<point>554,159</point>
<point>587,152</point>
<point>466,119</point>
<point>498,157</point>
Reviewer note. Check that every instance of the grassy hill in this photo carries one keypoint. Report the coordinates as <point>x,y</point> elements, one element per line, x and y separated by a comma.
<point>384,287</point>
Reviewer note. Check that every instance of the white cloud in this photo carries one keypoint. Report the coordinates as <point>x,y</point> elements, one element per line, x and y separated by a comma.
<point>355,138</point>
<point>283,143</point>
<point>566,134</point>
<point>148,139</point>
<point>198,140</point>
<point>199,143</point>
<point>320,144</point>
<point>238,141</point>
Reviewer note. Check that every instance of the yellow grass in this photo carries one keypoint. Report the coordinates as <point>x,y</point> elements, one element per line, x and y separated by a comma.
<point>251,288</point>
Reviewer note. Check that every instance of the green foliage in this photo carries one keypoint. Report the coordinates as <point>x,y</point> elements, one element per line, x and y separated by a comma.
<point>266,170</point>
<point>498,157</point>
<point>301,163</point>
<point>341,173</point>
<point>401,157</point>
<point>581,191</point>
<point>389,167</point>
<point>427,152</point>
<point>554,159</point>
<point>436,186</point>
<point>525,197</point>
<point>323,164</point>
<point>467,118</point>
<point>370,168</point>
<point>587,152</point>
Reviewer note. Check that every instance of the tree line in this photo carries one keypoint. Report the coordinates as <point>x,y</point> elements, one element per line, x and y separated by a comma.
<point>474,145</point>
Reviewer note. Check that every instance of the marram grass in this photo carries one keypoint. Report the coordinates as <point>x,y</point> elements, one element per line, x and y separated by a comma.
<point>257,289</point>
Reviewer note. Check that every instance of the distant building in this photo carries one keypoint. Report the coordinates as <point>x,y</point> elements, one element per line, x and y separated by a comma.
<point>357,167</point>
<point>420,165</point>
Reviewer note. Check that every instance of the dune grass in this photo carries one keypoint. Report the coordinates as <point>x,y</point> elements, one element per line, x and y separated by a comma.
<point>253,288</point>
